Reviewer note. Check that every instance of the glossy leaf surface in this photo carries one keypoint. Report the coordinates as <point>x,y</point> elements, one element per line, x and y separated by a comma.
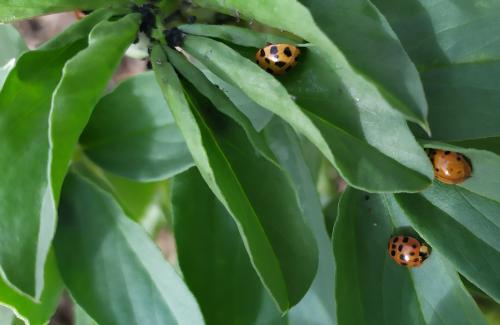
<point>20,9</point>
<point>111,266</point>
<point>331,130</point>
<point>461,225</point>
<point>131,133</point>
<point>373,289</point>
<point>234,172</point>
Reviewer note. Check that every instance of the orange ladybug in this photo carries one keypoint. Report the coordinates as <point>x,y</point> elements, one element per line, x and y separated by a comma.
<point>450,167</point>
<point>408,251</point>
<point>277,58</point>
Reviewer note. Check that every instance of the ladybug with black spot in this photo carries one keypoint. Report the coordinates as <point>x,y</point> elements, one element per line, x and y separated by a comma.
<point>408,251</point>
<point>278,58</point>
<point>450,167</point>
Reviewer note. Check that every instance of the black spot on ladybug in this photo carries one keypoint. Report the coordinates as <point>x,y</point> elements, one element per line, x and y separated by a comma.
<point>446,152</point>
<point>287,52</point>
<point>280,64</point>
<point>437,169</point>
<point>395,239</point>
<point>400,248</point>
<point>405,239</point>
<point>267,60</point>
<point>458,158</point>
<point>393,246</point>
<point>393,253</point>
<point>421,254</point>
<point>262,53</point>
<point>416,260</point>
<point>403,263</point>
<point>412,253</point>
<point>269,70</point>
<point>414,246</point>
<point>274,50</point>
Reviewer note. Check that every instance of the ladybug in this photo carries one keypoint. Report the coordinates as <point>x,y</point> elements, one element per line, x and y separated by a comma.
<point>408,251</point>
<point>80,14</point>
<point>277,58</point>
<point>450,167</point>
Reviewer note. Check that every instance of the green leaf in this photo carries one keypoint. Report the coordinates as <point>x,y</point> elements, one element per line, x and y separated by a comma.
<point>451,31</point>
<point>340,134</point>
<point>252,187</point>
<point>461,225</point>
<point>28,216</point>
<point>290,15</point>
<point>373,49</point>
<point>12,44</point>
<point>485,179</point>
<point>131,133</point>
<point>488,144</point>
<point>258,115</point>
<point>318,306</point>
<point>79,29</point>
<point>81,317</point>
<point>31,312</point>
<point>212,255</point>
<point>72,107</point>
<point>451,42</point>
<point>372,289</point>
<point>6,316</point>
<point>464,100</point>
<point>110,265</point>
<point>237,35</point>
<point>20,9</point>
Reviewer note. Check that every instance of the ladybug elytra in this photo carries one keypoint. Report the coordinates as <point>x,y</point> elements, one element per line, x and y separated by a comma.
<point>408,251</point>
<point>450,167</point>
<point>277,58</point>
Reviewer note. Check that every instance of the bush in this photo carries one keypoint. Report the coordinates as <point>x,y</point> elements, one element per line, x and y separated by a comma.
<point>240,163</point>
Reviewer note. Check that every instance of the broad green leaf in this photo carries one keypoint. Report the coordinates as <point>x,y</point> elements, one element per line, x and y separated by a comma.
<point>78,30</point>
<point>489,144</point>
<point>214,92</point>
<point>29,311</point>
<point>452,44</point>
<point>72,107</point>
<point>212,255</point>
<point>373,49</point>
<point>464,100</point>
<point>461,225</point>
<point>255,190</point>
<point>6,316</point>
<point>12,47</point>
<point>81,317</point>
<point>291,16</point>
<point>20,9</point>
<point>340,133</point>
<point>131,133</point>
<point>134,197</point>
<point>372,289</point>
<point>485,179</point>
<point>110,265</point>
<point>237,35</point>
<point>28,216</point>
<point>318,306</point>
<point>258,115</point>
<point>450,31</point>
<point>12,44</point>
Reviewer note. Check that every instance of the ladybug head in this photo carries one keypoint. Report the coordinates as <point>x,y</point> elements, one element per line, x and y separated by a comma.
<point>174,37</point>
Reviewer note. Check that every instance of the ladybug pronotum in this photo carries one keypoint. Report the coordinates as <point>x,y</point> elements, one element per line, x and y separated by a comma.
<point>408,251</point>
<point>450,167</point>
<point>277,58</point>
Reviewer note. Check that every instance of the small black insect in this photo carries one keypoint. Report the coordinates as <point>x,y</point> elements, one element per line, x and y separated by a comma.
<point>174,37</point>
<point>148,21</point>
